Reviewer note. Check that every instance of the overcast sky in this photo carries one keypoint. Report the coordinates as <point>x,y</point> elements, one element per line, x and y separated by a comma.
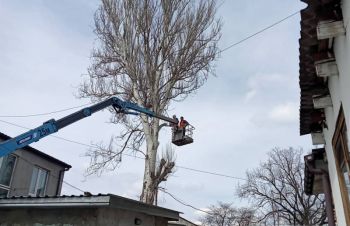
<point>250,107</point>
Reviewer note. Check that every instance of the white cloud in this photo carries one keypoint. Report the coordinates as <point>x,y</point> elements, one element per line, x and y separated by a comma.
<point>271,116</point>
<point>261,84</point>
<point>285,113</point>
<point>250,95</point>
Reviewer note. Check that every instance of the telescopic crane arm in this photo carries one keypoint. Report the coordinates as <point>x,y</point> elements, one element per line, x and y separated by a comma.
<point>53,125</point>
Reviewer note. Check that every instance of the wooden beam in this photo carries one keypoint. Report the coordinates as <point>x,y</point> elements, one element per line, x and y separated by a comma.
<point>322,101</point>
<point>330,29</point>
<point>326,68</point>
<point>317,138</point>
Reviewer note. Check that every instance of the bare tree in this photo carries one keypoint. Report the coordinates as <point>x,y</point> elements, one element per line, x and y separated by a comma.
<point>246,216</point>
<point>151,52</point>
<point>276,189</point>
<point>221,215</point>
<point>224,214</point>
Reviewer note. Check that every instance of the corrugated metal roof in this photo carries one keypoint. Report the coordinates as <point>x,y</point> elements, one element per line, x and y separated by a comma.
<point>37,152</point>
<point>311,50</point>
<point>87,201</point>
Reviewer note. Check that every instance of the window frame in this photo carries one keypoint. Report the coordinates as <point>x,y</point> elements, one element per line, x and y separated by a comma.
<point>8,187</point>
<point>36,182</point>
<point>340,138</point>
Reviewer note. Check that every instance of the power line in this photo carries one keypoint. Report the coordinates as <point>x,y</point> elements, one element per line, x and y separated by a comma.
<point>41,114</point>
<point>211,173</point>
<point>182,202</point>
<point>258,32</point>
<point>125,154</point>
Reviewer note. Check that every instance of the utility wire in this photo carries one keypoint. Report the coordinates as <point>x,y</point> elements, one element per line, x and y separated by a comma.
<point>212,173</point>
<point>75,187</point>
<point>258,32</point>
<point>182,202</point>
<point>41,114</point>
<point>125,154</point>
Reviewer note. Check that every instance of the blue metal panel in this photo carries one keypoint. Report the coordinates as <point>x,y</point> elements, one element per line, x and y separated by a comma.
<point>27,138</point>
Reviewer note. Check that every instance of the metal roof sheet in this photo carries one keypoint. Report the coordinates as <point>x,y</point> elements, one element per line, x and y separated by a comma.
<point>87,201</point>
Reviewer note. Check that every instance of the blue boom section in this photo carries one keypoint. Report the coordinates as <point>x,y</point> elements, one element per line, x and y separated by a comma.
<point>53,126</point>
<point>27,138</point>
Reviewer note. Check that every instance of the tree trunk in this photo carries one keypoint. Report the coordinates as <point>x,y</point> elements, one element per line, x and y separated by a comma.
<point>149,180</point>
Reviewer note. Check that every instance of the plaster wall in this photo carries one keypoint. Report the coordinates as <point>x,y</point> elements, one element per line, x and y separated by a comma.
<point>76,217</point>
<point>339,87</point>
<point>23,170</point>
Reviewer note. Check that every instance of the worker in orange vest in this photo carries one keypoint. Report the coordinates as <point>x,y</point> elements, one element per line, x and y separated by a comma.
<point>182,125</point>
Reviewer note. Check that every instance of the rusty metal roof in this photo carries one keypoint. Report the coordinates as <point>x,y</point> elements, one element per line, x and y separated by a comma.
<point>311,50</point>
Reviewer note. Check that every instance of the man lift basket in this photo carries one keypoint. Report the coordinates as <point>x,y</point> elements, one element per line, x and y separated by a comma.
<point>182,133</point>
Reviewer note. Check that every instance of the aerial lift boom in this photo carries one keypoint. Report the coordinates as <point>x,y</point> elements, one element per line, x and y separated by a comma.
<point>53,125</point>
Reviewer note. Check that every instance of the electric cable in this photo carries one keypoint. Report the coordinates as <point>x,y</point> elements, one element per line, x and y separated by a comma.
<point>182,202</point>
<point>258,32</point>
<point>212,173</point>
<point>42,114</point>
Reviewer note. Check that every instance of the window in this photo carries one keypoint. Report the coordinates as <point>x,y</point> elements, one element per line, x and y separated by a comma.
<point>341,153</point>
<point>7,164</point>
<point>38,182</point>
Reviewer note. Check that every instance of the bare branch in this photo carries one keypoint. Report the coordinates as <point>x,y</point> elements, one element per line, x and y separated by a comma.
<point>277,186</point>
<point>150,52</point>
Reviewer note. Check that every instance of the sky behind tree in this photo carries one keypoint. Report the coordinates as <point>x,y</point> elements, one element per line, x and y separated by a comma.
<point>250,107</point>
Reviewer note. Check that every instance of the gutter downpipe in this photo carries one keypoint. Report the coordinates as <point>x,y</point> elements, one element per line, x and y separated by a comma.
<point>327,191</point>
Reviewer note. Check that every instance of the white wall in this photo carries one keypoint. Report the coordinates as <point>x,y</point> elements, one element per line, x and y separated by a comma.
<point>340,92</point>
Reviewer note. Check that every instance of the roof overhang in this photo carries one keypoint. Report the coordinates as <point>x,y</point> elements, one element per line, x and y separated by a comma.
<point>93,201</point>
<point>314,49</point>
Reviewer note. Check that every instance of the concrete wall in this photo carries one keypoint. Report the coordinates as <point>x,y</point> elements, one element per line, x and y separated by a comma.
<point>339,87</point>
<point>76,217</point>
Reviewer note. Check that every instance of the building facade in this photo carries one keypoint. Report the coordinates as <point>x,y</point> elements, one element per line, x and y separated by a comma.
<point>325,102</point>
<point>29,171</point>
